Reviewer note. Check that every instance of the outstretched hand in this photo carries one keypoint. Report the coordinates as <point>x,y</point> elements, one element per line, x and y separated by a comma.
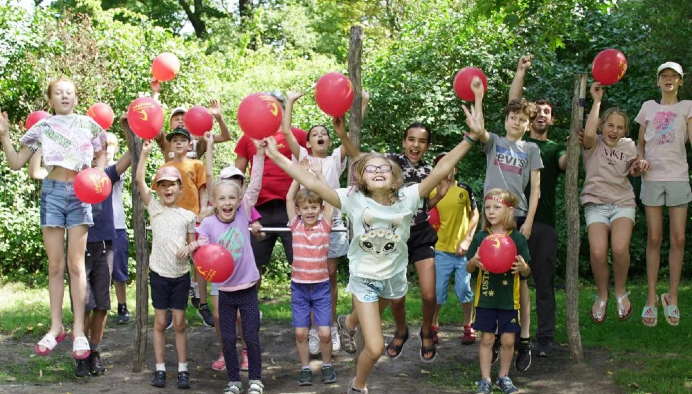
<point>443,186</point>
<point>4,124</point>
<point>293,96</point>
<point>214,108</point>
<point>155,86</point>
<point>477,87</point>
<point>596,92</point>
<point>339,125</point>
<point>146,147</point>
<point>260,146</point>
<point>473,120</point>
<point>525,62</point>
<point>270,147</point>
<point>209,137</point>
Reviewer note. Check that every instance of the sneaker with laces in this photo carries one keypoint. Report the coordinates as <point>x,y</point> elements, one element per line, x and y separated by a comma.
<point>545,347</point>
<point>233,388</point>
<point>505,384</point>
<point>96,367</point>
<point>328,374</point>
<point>123,314</point>
<point>159,379</point>
<point>244,363</point>
<point>484,387</point>
<point>194,295</point>
<point>336,341</point>
<point>348,335</point>
<point>205,314</point>
<point>313,342</point>
<point>523,360</point>
<point>81,370</point>
<point>169,318</point>
<point>496,349</point>
<point>184,380</point>
<point>353,390</point>
<point>305,377</point>
<point>219,364</point>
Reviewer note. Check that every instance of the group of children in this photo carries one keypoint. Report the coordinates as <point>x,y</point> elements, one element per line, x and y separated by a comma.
<point>386,202</point>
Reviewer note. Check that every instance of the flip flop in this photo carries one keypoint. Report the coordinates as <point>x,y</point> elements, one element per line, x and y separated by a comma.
<point>650,312</point>
<point>670,311</point>
<point>80,344</point>
<point>399,348</point>
<point>49,342</point>
<point>600,315</point>
<point>622,314</point>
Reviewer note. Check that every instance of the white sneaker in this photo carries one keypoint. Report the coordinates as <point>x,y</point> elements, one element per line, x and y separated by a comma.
<point>313,342</point>
<point>336,341</point>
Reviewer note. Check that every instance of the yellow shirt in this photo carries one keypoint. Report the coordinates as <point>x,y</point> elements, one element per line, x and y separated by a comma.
<point>194,177</point>
<point>455,214</point>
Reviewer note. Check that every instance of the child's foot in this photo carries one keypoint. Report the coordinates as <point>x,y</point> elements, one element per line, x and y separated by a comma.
<point>523,360</point>
<point>436,336</point>
<point>233,388</point>
<point>159,379</point>
<point>650,312</point>
<point>205,314</point>
<point>123,314</point>
<point>219,364</point>
<point>244,362</point>
<point>505,384</point>
<point>336,340</point>
<point>305,377</point>
<point>328,374</point>
<point>469,336</point>
<point>48,343</point>
<point>484,387</point>
<point>670,309</point>
<point>353,390</point>
<point>81,370</point>
<point>348,335</point>
<point>184,380</point>
<point>95,364</point>
<point>255,387</point>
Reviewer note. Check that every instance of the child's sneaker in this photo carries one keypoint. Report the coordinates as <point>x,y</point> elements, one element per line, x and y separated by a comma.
<point>505,384</point>
<point>523,360</point>
<point>336,341</point>
<point>123,314</point>
<point>305,377</point>
<point>233,388</point>
<point>496,349</point>
<point>244,364</point>
<point>169,318</point>
<point>159,379</point>
<point>469,336</point>
<point>96,367</point>
<point>328,374</point>
<point>219,364</point>
<point>255,387</point>
<point>348,335</point>
<point>194,295</point>
<point>313,342</point>
<point>184,380</point>
<point>205,314</point>
<point>484,387</point>
<point>81,370</point>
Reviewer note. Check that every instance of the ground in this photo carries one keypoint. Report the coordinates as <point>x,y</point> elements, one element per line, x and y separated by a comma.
<point>453,371</point>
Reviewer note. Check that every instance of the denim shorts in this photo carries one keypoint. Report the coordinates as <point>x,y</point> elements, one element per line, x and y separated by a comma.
<point>338,242</point>
<point>371,290</point>
<point>311,297</point>
<point>447,264</point>
<point>61,208</point>
<point>214,289</point>
<point>607,213</point>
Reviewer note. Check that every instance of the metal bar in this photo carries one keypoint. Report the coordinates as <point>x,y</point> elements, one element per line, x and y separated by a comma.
<point>285,229</point>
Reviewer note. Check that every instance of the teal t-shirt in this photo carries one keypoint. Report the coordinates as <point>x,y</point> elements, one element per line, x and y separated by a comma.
<point>498,291</point>
<point>550,154</point>
<point>378,249</point>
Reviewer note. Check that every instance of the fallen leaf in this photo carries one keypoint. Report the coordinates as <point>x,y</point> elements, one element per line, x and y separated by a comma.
<point>609,372</point>
<point>424,371</point>
<point>403,375</point>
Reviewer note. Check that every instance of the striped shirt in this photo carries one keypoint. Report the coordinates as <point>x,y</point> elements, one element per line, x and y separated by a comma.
<point>310,250</point>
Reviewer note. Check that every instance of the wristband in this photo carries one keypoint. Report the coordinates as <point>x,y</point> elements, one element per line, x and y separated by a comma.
<point>470,140</point>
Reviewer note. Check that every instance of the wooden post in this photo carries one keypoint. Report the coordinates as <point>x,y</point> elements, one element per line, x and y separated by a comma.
<point>572,206</point>
<point>142,256</point>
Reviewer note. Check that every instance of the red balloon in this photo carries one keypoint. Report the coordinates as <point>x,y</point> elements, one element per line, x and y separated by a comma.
<point>497,253</point>
<point>145,117</point>
<point>259,115</point>
<point>462,82</point>
<point>214,262</point>
<point>92,186</point>
<point>102,113</point>
<point>609,66</point>
<point>334,94</point>
<point>434,218</point>
<point>198,120</point>
<point>165,67</point>
<point>34,117</point>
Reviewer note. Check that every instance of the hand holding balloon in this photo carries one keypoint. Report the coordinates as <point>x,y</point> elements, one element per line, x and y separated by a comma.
<point>596,92</point>
<point>520,267</point>
<point>4,124</point>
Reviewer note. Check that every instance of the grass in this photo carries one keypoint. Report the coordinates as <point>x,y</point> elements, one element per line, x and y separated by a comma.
<point>645,360</point>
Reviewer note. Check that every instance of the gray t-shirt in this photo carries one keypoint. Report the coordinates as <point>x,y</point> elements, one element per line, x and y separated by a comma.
<point>509,166</point>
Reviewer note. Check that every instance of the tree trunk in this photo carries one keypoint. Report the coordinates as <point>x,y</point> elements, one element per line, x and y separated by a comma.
<point>572,206</point>
<point>244,9</point>
<point>142,257</point>
<point>195,17</point>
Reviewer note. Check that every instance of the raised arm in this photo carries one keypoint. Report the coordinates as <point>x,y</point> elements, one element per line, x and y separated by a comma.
<point>286,123</point>
<point>304,177</point>
<point>209,163</point>
<point>291,200</point>
<point>215,111</point>
<point>347,147</point>
<point>255,185</point>
<point>141,170</point>
<point>16,160</point>
<point>477,88</point>
<point>516,90</point>
<point>125,160</point>
<point>592,120</point>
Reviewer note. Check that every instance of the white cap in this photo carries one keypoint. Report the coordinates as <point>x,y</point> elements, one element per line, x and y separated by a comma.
<point>178,110</point>
<point>229,172</point>
<point>670,65</point>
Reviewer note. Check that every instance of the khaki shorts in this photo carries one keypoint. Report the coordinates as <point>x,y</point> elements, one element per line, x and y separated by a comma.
<point>668,193</point>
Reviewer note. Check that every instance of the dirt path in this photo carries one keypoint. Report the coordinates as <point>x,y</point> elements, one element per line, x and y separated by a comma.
<point>406,375</point>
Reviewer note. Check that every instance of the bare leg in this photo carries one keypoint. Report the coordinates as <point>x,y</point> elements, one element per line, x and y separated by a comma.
<point>654,223</point>
<point>158,336</point>
<point>332,265</point>
<point>302,345</point>
<point>426,278</point>
<point>53,240</point>
<point>467,308</point>
<point>325,335</point>
<point>121,292</point>
<point>215,312</point>
<point>485,354</point>
<point>598,246</point>
<point>525,309</point>
<point>180,334</point>
<point>76,245</point>
<point>506,353</point>
<point>678,221</point>
<point>621,234</point>
<point>369,316</point>
<point>96,326</point>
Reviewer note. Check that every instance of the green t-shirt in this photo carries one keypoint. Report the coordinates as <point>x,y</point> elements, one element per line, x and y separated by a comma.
<point>550,154</point>
<point>498,291</point>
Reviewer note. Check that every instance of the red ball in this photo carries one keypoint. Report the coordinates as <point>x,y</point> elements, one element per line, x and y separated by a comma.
<point>334,94</point>
<point>102,113</point>
<point>198,120</point>
<point>462,82</point>
<point>497,253</point>
<point>214,262</point>
<point>92,186</point>
<point>34,117</point>
<point>259,115</point>
<point>434,218</point>
<point>145,117</point>
<point>609,66</point>
<point>165,67</point>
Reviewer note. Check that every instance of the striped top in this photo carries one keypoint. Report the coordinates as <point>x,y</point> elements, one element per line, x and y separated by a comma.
<point>310,250</point>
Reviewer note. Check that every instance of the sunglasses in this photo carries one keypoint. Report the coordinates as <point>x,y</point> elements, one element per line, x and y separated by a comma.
<point>384,168</point>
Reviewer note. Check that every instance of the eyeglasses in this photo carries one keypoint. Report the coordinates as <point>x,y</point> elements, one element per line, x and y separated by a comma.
<point>384,168</point>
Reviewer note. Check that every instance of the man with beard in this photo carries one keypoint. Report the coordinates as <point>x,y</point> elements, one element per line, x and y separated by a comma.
<point>543,241</point>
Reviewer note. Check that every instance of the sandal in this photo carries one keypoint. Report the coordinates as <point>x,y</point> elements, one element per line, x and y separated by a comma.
<point>650,312</point>
<point>427,349</point>
<point>600,315</point>
<point>397,348</point>
<point>49,342</point>
<point>435,331</point>
<point>622,314</point>
<point>670,311</point>
<point>81,344</point>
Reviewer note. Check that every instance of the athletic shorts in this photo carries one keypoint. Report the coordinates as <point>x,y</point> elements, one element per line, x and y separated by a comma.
<point>496,320</point>
<point>421,243</point>
<point>668,193</point>
<point>607,213</point>
<point>61,208</point>
<point>311,297</point>
<point>169,292</point>
<point>98,265</point>
<point>121,256</point>
<point>371,290</point>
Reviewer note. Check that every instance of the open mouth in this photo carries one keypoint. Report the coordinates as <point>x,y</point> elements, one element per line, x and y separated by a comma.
<point>540,121</point>
<point>379,178</point>
<point>168,195</point>
<point>414,153</point>
<point>321,142</point>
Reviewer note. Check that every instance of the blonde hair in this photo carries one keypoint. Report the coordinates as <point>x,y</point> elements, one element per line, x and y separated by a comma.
<point>507,198</point>
<point>358,166</point>
<point>209,211</point>
<point>616,111</point>
<point>51,85</point>
<point>307,196</point>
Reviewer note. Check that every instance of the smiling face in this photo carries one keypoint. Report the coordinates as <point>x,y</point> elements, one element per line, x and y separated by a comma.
<point>319,141</point>
<point>613,127</point>
<point>62,97</point>
<point>544,119</point>
<point>169,192</point>
<point>669,81</point>
<point>177,120</point>
<point>516,124</point>
<point>377,174</point>
<point>226,201</point>
<point>416,143</point>
<point>180,144</point>
<point>309,212</point>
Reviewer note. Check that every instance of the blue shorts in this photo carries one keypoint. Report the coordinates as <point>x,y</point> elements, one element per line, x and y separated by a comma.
<point>121,256</point>
<point>445,265</point>
<point>214,289</point>
<point>61,208</point>
<point>496,320</point>
<point>315,297</point>
<point>169,292</point>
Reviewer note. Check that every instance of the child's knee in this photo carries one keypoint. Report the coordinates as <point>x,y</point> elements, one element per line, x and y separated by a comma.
<point>487,339</point>
<point>301,335</point>
<point>374,348</point>
<point>325,334</point>
<point>179,327</point>
<point>507,340</point>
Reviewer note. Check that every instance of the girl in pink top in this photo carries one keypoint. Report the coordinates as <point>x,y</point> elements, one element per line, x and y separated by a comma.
<point>608,200</point>
<point>664,128</point>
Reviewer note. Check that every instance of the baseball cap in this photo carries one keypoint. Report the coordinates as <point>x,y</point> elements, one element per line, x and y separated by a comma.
<point>178,131</point>
<point>178,110</point>
<point>670,65</point>
<point>167,173</point>
<point>230,172</point>
<point>439,157</point>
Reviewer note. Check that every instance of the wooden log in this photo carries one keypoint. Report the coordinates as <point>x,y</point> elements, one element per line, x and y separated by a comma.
<point>573,231</point>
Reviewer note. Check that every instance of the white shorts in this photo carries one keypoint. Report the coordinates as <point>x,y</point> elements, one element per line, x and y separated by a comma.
<point>371,290</point>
